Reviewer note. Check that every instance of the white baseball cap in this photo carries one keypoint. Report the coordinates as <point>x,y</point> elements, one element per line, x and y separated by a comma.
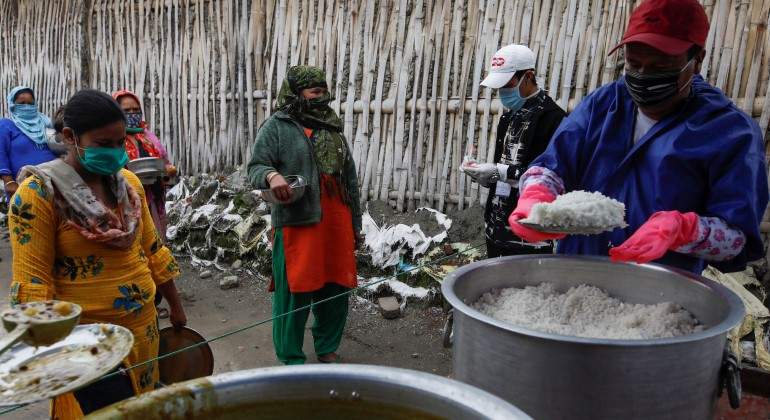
<point>507,61</point>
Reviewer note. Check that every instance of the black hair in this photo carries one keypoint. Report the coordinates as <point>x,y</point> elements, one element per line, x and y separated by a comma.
<point>693,51</point>
<point>89,109</point>
<point>25,90</point>
<point>519,74</point>
<point>58,119</point>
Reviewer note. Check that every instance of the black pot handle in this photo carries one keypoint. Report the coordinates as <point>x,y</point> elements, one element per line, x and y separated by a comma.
<point>730,378</point>
<point>449,329</point>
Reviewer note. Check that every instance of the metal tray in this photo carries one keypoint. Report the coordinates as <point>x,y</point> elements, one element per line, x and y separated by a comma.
<point>71,363</point>
<point>146,164</point>
<point>568,230</point>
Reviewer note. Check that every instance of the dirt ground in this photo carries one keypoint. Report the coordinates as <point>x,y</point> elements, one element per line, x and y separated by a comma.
<point>412,341</point>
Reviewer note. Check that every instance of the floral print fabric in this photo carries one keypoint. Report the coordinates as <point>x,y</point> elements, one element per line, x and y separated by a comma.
<point>716,241</point>
<point>52,260</point>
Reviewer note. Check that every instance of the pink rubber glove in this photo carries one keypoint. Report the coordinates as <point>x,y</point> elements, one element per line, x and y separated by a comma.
<point>663,231</point>
<point>531,195</point>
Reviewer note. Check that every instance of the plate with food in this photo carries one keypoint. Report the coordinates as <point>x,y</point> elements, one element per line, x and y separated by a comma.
<point>577,213</point>
<point>29,374</point>
<point>38,323</point>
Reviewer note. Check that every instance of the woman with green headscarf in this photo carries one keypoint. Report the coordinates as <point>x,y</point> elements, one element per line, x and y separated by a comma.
<point>315,236</point>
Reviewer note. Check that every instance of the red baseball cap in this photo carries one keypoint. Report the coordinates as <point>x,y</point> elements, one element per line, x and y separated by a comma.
<point>670,26</point>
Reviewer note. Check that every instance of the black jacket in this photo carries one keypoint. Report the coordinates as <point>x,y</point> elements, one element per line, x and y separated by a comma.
<point>530,130</point>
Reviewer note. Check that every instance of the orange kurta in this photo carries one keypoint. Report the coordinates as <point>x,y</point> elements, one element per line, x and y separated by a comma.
<point>323,252</point>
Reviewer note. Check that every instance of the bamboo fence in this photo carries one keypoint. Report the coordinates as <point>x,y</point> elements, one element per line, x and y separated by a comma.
<point>404,73</point>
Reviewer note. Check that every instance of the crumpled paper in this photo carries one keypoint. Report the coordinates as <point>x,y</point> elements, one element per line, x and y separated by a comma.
<point>387,243</point>
<point>755,319</point>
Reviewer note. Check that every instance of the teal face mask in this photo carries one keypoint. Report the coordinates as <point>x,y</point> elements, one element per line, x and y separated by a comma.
<point>102,160</point>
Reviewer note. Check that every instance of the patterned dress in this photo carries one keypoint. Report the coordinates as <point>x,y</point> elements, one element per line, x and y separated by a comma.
<point>146,144</point>
<point>53,261</point>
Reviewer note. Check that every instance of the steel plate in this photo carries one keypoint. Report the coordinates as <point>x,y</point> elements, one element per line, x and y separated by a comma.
<point>72,365</point>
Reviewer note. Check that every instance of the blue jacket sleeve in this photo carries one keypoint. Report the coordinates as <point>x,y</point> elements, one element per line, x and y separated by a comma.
<point>567,144</point>
<point>738,189</point>
<point>5,148</point>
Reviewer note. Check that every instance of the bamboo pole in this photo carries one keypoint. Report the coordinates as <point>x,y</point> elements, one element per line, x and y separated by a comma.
<point>404,73</point>
<point>743,31</point>
<point>415,49</point>
<point>475,21</point>
<point>726,54</point>
<point>763,37</point>
<point>558,59</point>
<point>394,154</point>
<point>361,144</point>
<point>424,160</point>
<point>374,149</point>
<point>486,14</point>
<point>442,152</point>
<point>573,40</point>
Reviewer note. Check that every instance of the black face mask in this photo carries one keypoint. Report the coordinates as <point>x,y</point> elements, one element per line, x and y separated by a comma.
<point>653,89</point>
<point>316,103</point>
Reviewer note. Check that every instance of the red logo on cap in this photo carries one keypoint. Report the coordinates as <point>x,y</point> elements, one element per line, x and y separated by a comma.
<point>498,61</point>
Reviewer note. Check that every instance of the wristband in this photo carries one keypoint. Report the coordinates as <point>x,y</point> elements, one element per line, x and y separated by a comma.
<point>270,177</point>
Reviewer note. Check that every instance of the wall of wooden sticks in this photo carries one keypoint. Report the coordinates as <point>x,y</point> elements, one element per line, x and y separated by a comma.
<point>405,73</point>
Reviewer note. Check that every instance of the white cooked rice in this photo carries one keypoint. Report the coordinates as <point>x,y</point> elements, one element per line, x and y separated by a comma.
<point>580,209</point>
<point>585,311</point>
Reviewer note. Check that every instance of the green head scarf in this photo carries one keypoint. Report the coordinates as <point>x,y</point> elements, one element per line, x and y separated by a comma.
<point>331,152</point>
<point>311,113</point>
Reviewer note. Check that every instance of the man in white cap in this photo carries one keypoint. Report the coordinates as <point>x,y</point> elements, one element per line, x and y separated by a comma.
<point>522,135</point>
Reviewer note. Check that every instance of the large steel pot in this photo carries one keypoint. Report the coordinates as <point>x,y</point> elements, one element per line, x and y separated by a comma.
<point>318,392</point>
<point>553,376</point>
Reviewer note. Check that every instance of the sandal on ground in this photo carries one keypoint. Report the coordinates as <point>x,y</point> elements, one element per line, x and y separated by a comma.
<point>330,358</point>
<point>162,313</point>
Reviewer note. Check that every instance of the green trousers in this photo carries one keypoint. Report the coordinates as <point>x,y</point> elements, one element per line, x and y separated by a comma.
<point>289,330</point>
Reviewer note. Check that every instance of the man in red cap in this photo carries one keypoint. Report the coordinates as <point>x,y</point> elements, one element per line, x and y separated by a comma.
<point>688,164</point>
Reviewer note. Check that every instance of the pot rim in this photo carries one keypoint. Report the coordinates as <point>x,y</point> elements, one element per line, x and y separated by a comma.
<point>733,318</point>
<point>450,391</point>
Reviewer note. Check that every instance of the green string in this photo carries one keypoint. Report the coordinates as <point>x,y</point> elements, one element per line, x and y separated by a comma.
<point>265,321</point>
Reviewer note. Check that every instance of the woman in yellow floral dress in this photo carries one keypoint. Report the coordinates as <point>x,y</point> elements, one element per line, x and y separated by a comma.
<point>81,232</point>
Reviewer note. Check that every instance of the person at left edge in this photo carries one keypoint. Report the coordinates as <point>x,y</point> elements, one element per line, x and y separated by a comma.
<point>522,135</point>
<point>23,139</point>
<point>81,232</point>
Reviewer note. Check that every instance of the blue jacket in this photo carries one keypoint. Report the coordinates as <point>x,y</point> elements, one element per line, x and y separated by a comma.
<point>18,150</point>
<point>707,158</point>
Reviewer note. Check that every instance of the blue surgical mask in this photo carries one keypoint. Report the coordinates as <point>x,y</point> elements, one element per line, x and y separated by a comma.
<point>511,98</point>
